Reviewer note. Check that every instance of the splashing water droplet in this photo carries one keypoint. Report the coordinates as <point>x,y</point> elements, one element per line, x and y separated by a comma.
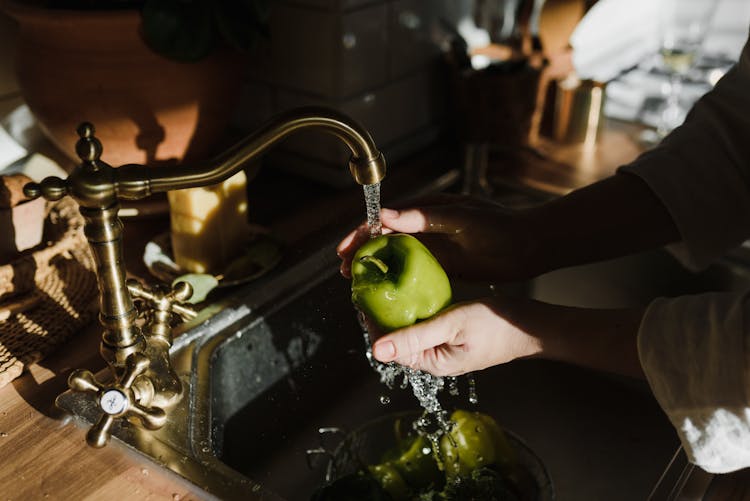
<point>435,441</point>
<point>424,385</point>
<point>434,422</point>
<point>473,397</point>
<point>385,399</point>
<point>452,385</point>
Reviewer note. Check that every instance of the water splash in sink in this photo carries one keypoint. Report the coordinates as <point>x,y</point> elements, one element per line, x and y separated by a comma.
<point>434,421</point>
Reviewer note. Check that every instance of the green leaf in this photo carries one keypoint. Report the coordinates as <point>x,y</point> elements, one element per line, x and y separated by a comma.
<point>181,30</point>
<point>240,22</point>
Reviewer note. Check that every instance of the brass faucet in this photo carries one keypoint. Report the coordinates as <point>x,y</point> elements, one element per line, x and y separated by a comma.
<point>144,382</point>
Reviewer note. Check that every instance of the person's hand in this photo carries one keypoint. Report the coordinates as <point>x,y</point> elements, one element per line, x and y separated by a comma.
<point>463,338</point>
<point>474,335</point>
<point>472,239</point>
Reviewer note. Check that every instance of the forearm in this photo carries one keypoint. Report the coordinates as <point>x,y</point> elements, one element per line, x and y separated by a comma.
<point>694,187</point>
<point>603,339</point>
<point>611,218</point>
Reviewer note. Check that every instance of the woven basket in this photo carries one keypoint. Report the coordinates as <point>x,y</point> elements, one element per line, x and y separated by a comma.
<point>48,294</point>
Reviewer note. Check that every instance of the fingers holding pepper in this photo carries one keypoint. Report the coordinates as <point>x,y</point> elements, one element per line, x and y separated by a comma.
<point>463,338</point>
<point>473,240</point>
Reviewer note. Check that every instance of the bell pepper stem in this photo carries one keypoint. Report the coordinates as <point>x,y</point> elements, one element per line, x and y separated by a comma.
<point>375,262</point>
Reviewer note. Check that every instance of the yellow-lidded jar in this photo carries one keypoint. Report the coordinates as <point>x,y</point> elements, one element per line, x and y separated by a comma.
<point>208,225</point>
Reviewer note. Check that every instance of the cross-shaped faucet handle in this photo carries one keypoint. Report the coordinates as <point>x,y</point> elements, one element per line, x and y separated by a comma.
<point>117,400</point>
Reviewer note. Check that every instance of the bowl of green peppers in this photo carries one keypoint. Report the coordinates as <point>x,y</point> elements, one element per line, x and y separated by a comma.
<point>386,459</point>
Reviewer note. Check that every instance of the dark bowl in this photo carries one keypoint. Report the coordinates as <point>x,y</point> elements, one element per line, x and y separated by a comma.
<point>367,445</point>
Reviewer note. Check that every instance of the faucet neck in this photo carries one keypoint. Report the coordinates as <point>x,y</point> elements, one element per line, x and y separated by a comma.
<point>367,164</point>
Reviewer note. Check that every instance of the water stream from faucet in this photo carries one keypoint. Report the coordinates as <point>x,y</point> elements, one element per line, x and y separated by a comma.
<point>372,203</point>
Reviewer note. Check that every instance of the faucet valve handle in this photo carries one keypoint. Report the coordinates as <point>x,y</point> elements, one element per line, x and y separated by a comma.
<point>51,188</point>
<point>117,400</point>
<point>88,149</point>
<point>163,299</point>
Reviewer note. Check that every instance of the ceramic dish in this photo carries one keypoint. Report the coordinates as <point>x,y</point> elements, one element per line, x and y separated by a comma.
<point>159,259</point>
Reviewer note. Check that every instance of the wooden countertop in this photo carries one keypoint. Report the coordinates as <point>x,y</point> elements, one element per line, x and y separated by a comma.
<point>548,168</point>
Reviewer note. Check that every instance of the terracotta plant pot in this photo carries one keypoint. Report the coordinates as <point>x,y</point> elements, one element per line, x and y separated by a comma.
<point>21,220</point>
<point>90,65</point>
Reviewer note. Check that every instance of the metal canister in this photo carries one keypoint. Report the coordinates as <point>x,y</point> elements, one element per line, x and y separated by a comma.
<point>579,110</point>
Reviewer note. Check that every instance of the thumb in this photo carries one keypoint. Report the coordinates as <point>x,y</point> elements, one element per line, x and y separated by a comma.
<point>407,345</point>
<point>439,219</point>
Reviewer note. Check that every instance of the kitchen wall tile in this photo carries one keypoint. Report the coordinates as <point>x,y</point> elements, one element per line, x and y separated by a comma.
<point>339,5</point>
<point>390,114</point>
<point>415,35</point>
<point>327,54</point>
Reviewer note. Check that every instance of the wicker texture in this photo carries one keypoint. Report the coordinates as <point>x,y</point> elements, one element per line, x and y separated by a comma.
<point>47,295</point>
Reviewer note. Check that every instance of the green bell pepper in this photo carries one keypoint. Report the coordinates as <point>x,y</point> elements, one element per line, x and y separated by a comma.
<point>417,465</point>
<point>390,480</point>
<point>396,281</point>
<point>476,440</point>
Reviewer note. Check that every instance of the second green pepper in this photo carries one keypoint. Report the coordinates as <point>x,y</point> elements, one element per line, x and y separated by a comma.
<point>476,440</point>
<point>397,281</point>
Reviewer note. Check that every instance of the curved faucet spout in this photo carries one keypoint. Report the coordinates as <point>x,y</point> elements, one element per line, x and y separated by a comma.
<point>367,164</point>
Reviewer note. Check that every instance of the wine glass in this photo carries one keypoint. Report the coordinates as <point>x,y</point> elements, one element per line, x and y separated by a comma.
<point>682,28</point>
